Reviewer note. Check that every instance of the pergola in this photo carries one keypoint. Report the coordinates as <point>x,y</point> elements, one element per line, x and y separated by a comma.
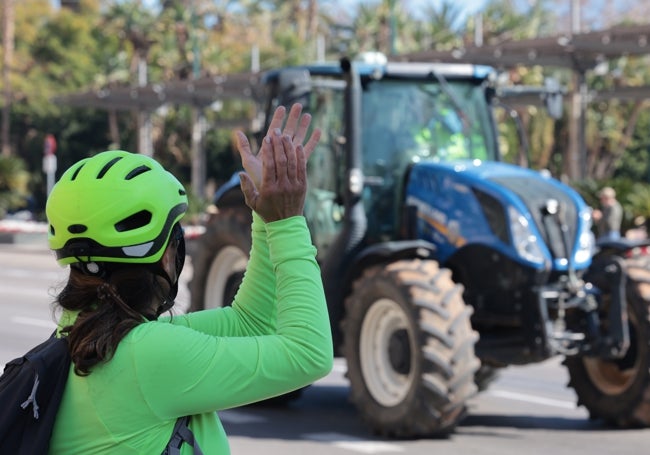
<point>579,52</point>
<point>201,93</point>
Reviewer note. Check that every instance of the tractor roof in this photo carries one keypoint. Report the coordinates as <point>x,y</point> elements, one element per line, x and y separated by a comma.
<point>408,70</point>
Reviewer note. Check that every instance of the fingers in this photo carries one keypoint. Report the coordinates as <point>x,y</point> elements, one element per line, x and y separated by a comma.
<point>312,142</point>
<point>251,163</point>
<point>301,165</point>
<point>277,120</point>
<point>243,146</point>
<point>296,125</point>
<point>297,128</point>
<point>291,153</point>
<point>283,184</point>
<point>275,180</point>
<point>281,148</point>
<point>293,121</point>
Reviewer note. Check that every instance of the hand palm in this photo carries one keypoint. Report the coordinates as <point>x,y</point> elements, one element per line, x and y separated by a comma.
<point>296,127</point>
<point>274,183</point>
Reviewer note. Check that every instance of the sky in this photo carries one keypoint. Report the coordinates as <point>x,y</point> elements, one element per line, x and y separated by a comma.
<point>470,6</point>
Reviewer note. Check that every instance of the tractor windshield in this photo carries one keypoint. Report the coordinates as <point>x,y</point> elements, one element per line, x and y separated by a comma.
<point>406,121</point>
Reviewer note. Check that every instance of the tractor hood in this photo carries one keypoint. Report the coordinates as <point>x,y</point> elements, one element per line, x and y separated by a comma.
<point>525,214</point>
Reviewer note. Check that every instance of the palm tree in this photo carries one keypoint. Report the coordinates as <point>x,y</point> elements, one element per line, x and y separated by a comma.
<point>502,22</point>
<point>7,61</point>
<point>372,25</point>
<point>136,25</point>
<point>440,27</point>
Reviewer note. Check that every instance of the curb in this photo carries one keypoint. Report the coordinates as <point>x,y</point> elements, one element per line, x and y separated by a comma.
<point>23,232</point>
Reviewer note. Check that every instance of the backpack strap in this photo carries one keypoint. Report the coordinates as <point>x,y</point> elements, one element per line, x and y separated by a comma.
<point>181,434</point>
<point>31,399</point>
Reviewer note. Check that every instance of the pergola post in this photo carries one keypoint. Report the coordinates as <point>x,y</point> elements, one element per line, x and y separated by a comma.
<point>576,152</point>
<point>197,152</point>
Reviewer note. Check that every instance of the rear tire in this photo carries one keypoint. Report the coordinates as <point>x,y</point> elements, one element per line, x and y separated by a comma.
<point>618,391</point>
<point>409,347</point>
<point>219,259</point>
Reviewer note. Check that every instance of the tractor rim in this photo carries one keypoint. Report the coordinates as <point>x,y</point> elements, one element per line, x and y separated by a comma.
<point>228,261</point>
<point>385,352</point>
<point>614,377</point>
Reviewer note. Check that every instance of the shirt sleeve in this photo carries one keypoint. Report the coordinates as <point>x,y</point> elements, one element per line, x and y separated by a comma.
<point>253,311</point>
<point>185,371</point>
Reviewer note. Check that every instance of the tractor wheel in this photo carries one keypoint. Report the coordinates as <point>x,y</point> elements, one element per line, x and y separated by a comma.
<point>219,259</point>
<point>485,376</point>
<point>409,347</point>
<point>618,391</point>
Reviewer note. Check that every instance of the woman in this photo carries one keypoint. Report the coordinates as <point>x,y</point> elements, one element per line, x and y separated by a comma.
<point>114,218</point>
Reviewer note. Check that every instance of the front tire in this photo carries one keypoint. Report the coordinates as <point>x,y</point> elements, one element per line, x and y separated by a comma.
<point>618,391</point>
<point>409,347</point>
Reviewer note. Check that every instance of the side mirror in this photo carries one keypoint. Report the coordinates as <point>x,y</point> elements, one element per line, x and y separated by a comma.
<point>295,86</point>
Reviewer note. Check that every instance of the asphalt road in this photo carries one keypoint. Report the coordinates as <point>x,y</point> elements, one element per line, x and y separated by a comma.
<point>528,410</point>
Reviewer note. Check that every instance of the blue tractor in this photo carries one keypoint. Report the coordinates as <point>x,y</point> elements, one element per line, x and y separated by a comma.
<point>441,263</point>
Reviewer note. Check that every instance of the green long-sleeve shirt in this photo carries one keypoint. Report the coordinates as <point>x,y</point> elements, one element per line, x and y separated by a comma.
<point>275,337</point>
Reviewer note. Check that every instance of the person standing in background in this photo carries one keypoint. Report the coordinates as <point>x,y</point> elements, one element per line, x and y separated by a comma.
<point>610,215</point>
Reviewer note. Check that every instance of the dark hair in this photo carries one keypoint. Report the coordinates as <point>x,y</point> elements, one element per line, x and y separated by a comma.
<point>108,310</point>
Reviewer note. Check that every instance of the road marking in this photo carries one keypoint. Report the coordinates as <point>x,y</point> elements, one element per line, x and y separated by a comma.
<point>26,273</point>
<point>531,399</point>
<point>33,321</point>
<point>238,417</point>
<point>339,367</point>
<point>352,443</point>
<point>34,292</point>
<point>368,446</point>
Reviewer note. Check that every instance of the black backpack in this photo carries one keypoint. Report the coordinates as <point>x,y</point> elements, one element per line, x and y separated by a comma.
<point>31,389</point>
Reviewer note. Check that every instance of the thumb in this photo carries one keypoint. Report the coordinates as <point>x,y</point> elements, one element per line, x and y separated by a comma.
<point>249,190</point>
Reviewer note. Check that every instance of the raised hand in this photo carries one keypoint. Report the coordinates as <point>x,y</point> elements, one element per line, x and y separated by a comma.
<point>281,191</point>
<point>296,128</point>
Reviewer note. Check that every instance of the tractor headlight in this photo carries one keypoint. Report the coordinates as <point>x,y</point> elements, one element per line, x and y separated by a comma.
<point>523,239</point>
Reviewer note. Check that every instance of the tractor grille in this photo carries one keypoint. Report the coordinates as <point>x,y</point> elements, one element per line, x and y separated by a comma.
<point>535,194</point>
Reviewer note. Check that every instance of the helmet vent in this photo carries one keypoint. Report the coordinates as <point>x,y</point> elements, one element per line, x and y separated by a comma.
<point>76,172</point>
<point>137,171</point>
<point>77,228</point>
<point>135,221</point>
<point>107,166</point>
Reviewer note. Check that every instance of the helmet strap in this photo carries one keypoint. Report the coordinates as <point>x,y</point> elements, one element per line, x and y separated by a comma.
<point>167,298</point>
<point>179,261</point>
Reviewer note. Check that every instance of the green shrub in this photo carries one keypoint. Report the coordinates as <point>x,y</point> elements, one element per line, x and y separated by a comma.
<point>14,180</point>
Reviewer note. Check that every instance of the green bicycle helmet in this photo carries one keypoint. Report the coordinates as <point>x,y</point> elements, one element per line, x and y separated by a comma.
<point>117,207</point>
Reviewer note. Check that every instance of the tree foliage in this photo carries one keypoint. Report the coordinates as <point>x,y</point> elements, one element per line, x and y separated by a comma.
<point>103,44</point>
<point>13,185</point>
